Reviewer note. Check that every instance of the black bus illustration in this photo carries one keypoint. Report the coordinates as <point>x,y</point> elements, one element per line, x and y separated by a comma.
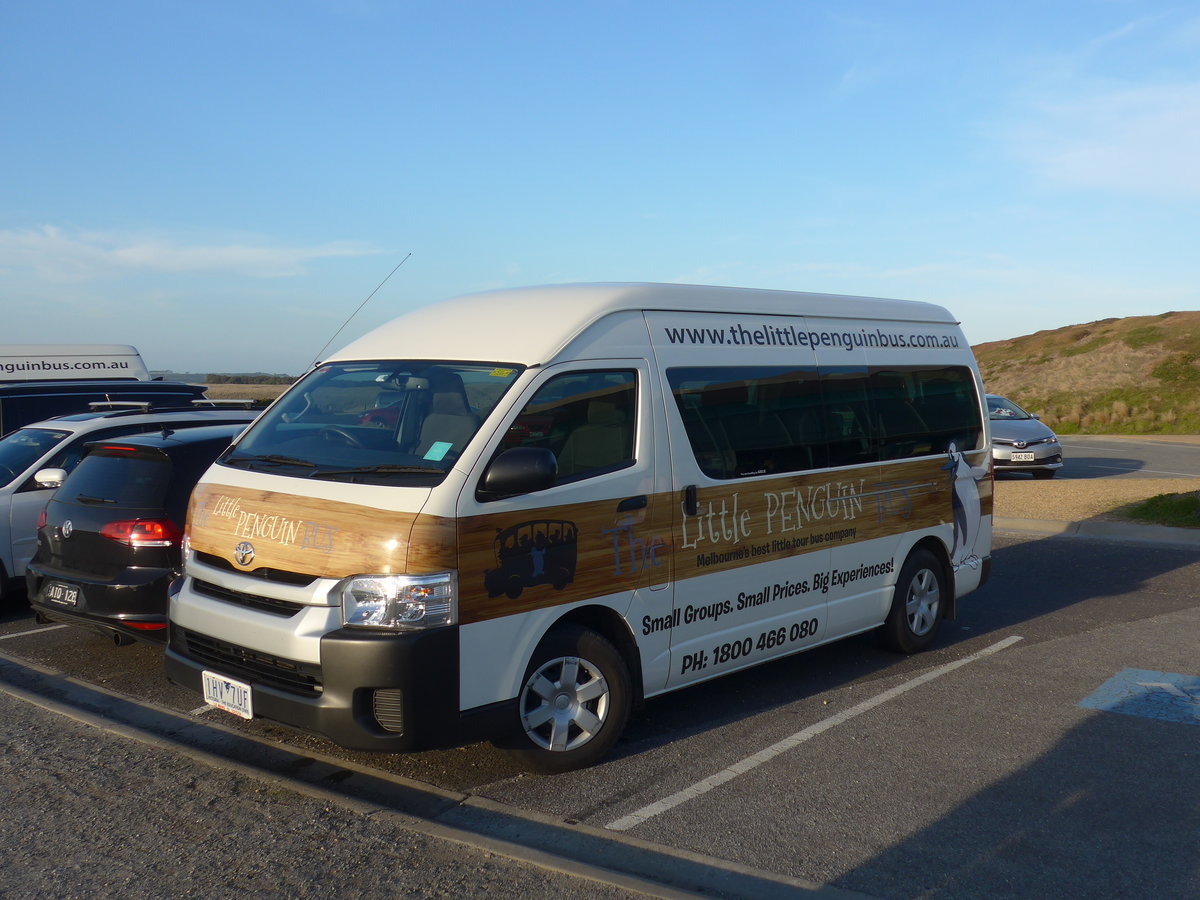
<point>543,551</point>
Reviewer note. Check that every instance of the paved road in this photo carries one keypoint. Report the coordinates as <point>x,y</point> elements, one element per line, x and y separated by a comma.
<point>1092,456</point>
<point>969,771</point>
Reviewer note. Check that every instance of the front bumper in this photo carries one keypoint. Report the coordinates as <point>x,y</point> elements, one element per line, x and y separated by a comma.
<point>134,607</point>
<point>1045,456</point>
<point>372,691</point>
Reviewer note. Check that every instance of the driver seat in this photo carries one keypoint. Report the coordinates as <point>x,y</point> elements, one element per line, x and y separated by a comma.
<point>449,422</point>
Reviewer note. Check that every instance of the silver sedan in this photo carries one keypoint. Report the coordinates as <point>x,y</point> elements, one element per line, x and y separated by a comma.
<point>1020,442</point>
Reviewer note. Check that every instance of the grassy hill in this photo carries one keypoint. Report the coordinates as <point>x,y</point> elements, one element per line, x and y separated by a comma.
<point>1139,375</point>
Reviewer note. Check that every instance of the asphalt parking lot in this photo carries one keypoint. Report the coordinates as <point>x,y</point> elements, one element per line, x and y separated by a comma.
<point>1047,744</point>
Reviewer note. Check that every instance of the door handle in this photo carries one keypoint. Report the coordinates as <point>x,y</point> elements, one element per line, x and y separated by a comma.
<point>631,503</point>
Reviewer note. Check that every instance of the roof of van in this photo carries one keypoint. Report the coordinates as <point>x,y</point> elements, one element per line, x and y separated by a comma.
<point>69,362</point>
<point>530,325</point>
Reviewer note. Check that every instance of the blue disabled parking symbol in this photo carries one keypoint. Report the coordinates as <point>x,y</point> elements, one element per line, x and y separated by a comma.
<point>1152,695</point>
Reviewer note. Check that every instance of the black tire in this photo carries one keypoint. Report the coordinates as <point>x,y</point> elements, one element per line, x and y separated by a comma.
<point>917,604</point>
<point>574,702</point>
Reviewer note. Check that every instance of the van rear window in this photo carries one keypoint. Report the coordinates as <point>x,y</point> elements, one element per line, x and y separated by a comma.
<point>762,420</point>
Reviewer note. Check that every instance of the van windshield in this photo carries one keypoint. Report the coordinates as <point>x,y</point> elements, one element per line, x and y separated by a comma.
<point>380,422</point>
<point>19,450</point>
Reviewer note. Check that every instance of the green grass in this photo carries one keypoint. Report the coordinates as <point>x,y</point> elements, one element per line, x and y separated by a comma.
<point>1144,336</point>
<point>1175,510</point>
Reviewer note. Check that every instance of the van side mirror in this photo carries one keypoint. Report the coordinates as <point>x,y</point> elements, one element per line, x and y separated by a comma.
<point>50,478</point>
<point>518,470</point>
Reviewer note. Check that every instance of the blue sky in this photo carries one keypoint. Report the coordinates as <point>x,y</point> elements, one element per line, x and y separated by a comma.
<point>222,183</point>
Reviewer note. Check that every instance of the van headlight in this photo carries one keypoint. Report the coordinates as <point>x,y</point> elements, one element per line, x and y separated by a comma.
<point>400,602</point>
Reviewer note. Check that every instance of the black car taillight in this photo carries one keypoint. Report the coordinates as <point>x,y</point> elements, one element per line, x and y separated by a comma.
<point>143,533</point>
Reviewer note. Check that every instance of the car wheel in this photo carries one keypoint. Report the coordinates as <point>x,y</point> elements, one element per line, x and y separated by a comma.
<point>575,701</point>
<point>912,622</point>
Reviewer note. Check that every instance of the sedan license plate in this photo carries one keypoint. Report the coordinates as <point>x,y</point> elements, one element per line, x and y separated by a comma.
<point>62,594</point>
<point>227,694</point>
<point>1022,456</point>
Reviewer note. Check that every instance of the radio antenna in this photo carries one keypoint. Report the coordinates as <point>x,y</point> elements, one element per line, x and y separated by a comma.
<point>360,306</point>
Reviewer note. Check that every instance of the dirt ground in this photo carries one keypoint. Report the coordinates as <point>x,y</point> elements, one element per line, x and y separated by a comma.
<point>245,391</point>
<point>1074,500</point>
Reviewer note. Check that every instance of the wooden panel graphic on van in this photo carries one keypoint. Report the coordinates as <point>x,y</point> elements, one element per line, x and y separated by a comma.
<point>530,559</point>
<point>737,525</point>
<point>310,536</point>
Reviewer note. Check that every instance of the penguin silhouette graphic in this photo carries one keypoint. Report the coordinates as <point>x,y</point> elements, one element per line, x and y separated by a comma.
<point>966,508</point>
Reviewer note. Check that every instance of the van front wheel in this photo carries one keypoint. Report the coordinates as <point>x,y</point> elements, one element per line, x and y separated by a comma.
<point>575,700</point>
<point>916,610</point>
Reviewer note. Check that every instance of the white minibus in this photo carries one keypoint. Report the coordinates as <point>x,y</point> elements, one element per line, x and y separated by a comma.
<point>517,515</point>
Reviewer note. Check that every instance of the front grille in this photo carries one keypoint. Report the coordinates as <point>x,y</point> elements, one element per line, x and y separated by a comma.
<point>251,665</point>
<point>277,576</point>
<point>270,605</point>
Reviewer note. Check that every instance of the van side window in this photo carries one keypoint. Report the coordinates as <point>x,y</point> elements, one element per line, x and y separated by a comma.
<point>743,420</point>
<point>945,399</point>
<point>847,396</point>
<point>585,418</point>
<point>750,420</point>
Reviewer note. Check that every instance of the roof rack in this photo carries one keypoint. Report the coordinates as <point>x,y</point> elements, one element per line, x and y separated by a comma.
<point>205,402</point>
<point>154,410</point>
<point>142,406</point>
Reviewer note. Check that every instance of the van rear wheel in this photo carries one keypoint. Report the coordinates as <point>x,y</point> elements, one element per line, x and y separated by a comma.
<point>912,622</point>
<point>575,701</point>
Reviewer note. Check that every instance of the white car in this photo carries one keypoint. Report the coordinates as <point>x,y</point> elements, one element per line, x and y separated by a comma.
<point>58,443</point>
<point>1020,442</point>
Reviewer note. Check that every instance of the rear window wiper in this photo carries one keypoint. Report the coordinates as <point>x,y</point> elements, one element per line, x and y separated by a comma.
<point>84,498</point>
<point>271,458</point>
<point>386,469</point>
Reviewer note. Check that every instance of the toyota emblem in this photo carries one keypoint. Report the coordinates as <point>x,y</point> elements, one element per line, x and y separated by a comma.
<point>243,553</point>
<point>67,529</point>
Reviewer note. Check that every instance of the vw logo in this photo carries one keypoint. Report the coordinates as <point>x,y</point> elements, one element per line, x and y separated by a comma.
<point>68,528</point>
<point>243,553</point>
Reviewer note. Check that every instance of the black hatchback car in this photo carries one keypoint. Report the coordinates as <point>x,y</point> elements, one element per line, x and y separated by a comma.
<point>109,541</point>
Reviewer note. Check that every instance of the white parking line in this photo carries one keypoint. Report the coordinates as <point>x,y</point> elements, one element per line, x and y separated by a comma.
<point>5,637</point>
<point>752,762</point>
<point>201,710</point>
<point>1146,471</point>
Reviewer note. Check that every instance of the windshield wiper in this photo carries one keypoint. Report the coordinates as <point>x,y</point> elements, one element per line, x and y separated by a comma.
<point>273,459</point>
<point>84,498</point>
<point>386,469</point>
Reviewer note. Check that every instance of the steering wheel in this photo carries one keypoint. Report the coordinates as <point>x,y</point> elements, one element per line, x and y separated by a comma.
<point>336,433</point>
